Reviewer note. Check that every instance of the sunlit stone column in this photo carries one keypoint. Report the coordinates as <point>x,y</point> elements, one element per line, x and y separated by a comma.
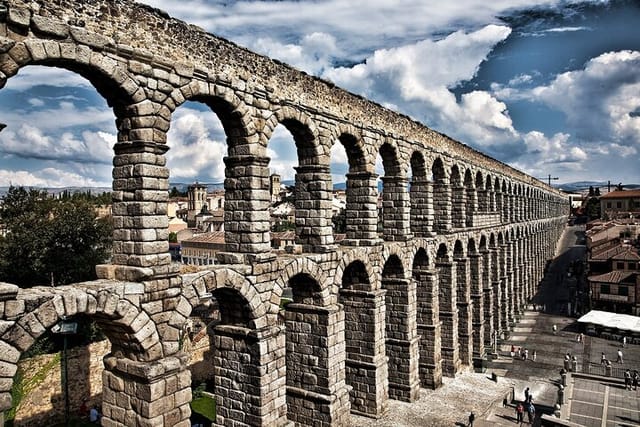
<point>314,229</point>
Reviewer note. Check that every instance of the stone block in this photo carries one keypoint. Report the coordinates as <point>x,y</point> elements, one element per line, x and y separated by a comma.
<point>19,17</point>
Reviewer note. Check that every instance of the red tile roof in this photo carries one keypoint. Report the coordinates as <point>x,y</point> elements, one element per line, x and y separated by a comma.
<point>624,194</point>
<point>617,276</point>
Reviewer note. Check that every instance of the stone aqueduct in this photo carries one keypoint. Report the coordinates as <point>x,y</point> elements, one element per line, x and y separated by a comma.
<point>464,239</point>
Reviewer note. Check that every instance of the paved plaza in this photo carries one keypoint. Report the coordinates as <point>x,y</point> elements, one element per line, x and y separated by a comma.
<point>598,403</point>
<point>589,399</point>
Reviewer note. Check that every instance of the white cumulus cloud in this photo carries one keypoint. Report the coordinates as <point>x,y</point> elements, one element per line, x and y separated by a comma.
<point>417,78</point>
<point>197,146</point>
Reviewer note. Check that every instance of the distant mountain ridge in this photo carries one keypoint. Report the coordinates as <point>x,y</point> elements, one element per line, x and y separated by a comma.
<point>580,186</point>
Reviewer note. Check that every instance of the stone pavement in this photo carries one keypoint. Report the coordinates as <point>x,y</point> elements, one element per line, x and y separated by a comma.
<point>596,403</point>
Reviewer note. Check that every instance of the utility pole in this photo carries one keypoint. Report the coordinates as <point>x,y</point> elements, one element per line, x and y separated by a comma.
<point>549,178</point>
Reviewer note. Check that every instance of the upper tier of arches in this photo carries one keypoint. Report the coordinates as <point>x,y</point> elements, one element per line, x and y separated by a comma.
<point>430,185</point>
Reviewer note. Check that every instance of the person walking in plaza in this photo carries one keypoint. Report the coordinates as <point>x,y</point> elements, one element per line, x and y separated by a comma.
<point>627,380</point>
<point>519,413</point>
<point>531,412</point>
<point>555,329</point>
<point>526,394</point>
<point>472,417</point>
<point>603,359</point>
<point>624,341</point>
<point>533,356</point>
<point>526,354</point>
<point>619,359</point>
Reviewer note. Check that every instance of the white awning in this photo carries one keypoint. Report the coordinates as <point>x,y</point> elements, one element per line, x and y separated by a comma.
<point>625,322</point>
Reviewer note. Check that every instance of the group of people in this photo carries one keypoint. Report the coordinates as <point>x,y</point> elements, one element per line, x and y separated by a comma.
<point>526,406</point>
<point>604,361</point>
<point>631,380</point>
<point>522,353</point>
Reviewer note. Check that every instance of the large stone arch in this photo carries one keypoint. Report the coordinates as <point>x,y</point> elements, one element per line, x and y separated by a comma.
<point>350,257</point>
<point>361,218</point>
<point>395,195</point>
<point>109,77</point>
<point>302,128</point>
<point>353,144</point>
<point>403,257</point>
<point>309,268</point>
<point>131,331</point>
<point>234,115</point>
<point>198,288</point>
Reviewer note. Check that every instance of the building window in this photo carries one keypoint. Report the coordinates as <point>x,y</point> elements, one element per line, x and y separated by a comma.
<point>604,289</point>
<point>619,265</point>
<point>619,205</point>
<point>623,290</point>
<point>609,205</point>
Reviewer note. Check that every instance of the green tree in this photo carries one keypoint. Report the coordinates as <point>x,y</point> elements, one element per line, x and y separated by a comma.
<point>176,193</point>
<point>592,209</point>
<point>50,240</point>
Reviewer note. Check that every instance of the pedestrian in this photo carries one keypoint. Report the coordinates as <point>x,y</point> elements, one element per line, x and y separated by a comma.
<point>555,329</point>
<point>627,380</point>
<point>519,413</point>
<point>619,359</point>
<point>577,337</point>
<point>472,417</point>
<point>519,352</point>
<point>624,341</point>
<point>603,359</point>
<point>531,412</point>
<point>581,337</point>
<point>533,356</point>
<point>513,350</point>
<point>636,379</point>
<point>526,394</point>
<point>526,354</point>
<point>94,415</point>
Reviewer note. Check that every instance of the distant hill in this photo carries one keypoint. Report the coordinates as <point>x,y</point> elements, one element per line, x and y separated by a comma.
<point>581,186</point>
<point>182,187</point>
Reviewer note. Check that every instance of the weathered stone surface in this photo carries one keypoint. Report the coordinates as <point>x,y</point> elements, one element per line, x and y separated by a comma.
<point>6,44</point>
<point>50,26</point>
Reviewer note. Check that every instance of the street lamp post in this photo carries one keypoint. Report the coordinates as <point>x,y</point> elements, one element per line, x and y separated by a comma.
<point>65,327</point>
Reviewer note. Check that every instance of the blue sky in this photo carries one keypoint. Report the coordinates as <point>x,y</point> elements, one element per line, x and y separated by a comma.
<point>549,87</point>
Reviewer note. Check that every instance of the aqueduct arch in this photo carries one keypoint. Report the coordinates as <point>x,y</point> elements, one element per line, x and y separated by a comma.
<point>463,247</point>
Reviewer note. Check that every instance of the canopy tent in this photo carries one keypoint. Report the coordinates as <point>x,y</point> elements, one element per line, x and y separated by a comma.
<point>623,322</point>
